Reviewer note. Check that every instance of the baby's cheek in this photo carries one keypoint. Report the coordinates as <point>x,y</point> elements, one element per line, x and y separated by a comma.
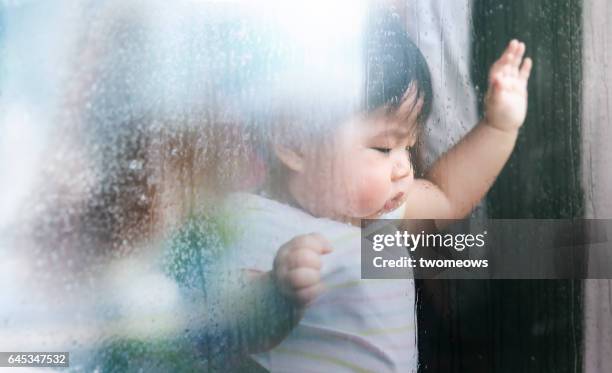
<point>371,195</point>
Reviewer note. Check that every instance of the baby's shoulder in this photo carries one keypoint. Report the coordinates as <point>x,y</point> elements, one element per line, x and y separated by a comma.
<point>266,224</point>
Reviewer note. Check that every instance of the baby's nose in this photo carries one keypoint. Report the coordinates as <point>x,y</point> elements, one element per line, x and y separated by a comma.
<point>401,167</point>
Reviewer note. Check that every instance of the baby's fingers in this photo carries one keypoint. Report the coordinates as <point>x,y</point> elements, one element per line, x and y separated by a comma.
<point>303,277</point>
<point>312,241</point>
<point>304,257</point>
<point>309,294</point>
<point>505,61</point>
<point>525,70</point>
<point>323,247</point>
<point>517,55</point>
<point>511,51</point>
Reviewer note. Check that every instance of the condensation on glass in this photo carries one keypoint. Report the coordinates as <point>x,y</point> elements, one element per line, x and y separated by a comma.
<point>124,124</point>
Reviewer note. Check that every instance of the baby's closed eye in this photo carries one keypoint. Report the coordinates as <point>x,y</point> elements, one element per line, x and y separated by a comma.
<point>382,150</point>
<point>385,150</point>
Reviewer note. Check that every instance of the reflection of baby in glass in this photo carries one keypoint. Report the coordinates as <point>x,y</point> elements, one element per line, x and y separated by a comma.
<point>363,169</point>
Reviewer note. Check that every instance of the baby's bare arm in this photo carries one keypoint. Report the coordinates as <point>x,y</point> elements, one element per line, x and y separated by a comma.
<point>462,176</point>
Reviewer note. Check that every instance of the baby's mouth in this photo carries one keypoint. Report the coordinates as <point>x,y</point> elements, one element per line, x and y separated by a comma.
<point>393,203</point>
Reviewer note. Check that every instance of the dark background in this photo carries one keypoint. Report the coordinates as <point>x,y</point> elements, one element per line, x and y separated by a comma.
<point>526,325</point>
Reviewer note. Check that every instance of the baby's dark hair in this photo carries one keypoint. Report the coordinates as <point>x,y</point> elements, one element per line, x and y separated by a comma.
<point>393,64</point>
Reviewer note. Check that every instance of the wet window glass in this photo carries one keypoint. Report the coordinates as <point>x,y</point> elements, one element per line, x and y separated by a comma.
<point>189,186</point>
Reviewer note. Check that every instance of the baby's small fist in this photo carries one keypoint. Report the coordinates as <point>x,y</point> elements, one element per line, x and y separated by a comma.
<point>297,267</point>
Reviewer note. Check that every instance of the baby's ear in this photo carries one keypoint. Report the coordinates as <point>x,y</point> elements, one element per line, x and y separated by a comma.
<point>291,157</point>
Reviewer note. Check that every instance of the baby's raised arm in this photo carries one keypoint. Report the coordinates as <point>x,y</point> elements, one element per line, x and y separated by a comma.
<point>462,176</point>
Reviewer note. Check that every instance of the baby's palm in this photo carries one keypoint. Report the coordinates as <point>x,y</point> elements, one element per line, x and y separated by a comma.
<point>506,101</point>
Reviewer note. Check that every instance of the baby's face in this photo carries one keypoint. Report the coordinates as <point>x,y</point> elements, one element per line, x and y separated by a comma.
<point>363,171</point>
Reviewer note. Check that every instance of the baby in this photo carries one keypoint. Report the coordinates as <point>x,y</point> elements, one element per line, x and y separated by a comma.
<point>362,170</point>
<point>371,155</point>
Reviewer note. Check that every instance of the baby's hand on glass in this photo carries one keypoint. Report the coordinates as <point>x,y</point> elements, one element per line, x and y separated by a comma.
<point>297,268</point>
<point>506,99</point>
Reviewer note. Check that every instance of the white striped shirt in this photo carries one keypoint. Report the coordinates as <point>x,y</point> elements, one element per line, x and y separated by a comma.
<point>355,325</point>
